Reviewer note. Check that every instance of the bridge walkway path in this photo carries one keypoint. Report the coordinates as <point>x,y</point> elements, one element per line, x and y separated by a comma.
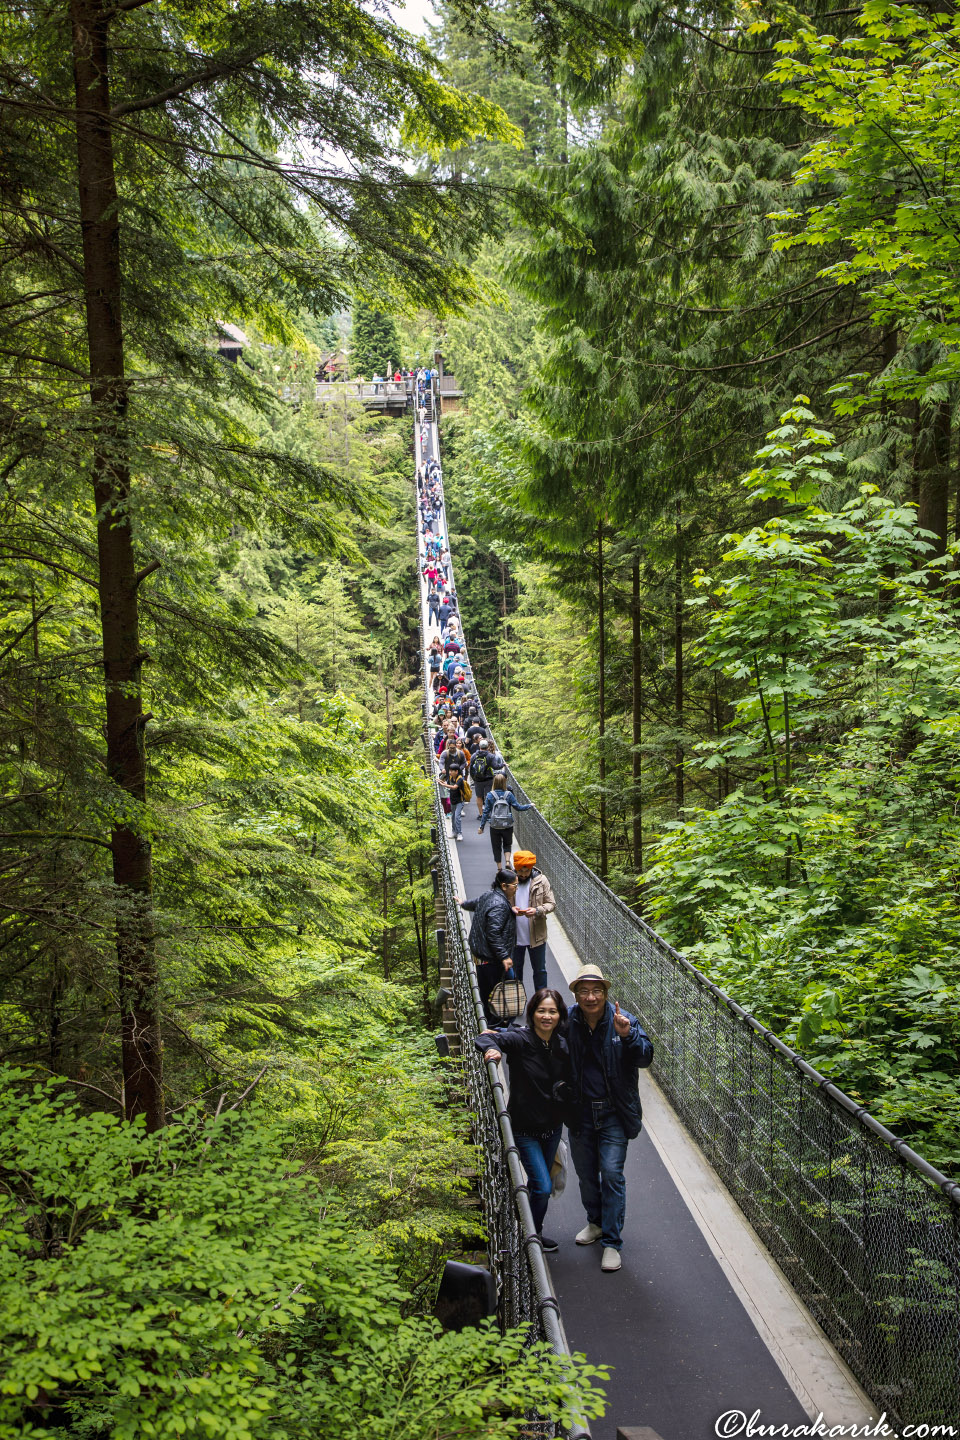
<point>683,1347</point>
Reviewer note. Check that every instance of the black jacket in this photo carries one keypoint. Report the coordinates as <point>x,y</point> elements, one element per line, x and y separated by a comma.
<point>621,1059</point>
<point>539,1077</point>
<point>493,933</point>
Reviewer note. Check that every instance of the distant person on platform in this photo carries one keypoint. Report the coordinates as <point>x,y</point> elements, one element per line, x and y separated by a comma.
<point>608,1046</point>
<point>535,901</point>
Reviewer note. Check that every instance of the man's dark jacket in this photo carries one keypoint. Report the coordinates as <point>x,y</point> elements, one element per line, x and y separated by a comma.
<point>539,1077</point>
<point>620,1059</point>
<point>493,933</point>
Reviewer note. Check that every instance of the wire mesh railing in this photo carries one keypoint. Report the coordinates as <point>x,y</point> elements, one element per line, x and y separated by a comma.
<point>866,1230</point>
<point>524,1290</point>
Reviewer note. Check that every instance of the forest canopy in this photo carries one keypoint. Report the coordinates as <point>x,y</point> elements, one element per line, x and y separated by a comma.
<point>709,468</point>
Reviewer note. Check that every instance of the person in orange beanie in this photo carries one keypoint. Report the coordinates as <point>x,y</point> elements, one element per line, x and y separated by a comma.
<point>534,902</point>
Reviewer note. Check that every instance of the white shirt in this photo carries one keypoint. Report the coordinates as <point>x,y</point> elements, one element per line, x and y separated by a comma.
<point>523,921</point>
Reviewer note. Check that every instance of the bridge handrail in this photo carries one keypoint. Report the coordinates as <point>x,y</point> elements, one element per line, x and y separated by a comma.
<point>866,1230</point>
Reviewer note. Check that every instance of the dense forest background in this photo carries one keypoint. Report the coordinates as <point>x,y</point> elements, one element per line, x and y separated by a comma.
<point>709,469</point>
<point>696,272</point>
<point>231,1164</point>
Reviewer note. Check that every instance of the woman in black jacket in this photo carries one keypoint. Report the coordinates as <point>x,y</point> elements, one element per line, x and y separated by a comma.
<point>539,1064</point>
<point>493,933</point>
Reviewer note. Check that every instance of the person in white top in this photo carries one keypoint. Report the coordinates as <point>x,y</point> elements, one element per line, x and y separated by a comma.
<point>534,902</point>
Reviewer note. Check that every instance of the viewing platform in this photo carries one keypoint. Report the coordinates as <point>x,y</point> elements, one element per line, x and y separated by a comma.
<point>390,397</point>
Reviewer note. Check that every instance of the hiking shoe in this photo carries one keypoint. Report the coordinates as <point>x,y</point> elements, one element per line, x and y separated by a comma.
<point>611,1259</point>
<point>589,1235</point>
<point>550,1246</point>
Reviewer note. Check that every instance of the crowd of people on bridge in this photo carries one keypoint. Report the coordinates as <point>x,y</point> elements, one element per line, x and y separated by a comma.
<point>575,1066</point>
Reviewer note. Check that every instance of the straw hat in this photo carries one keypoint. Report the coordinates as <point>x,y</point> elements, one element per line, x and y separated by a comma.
<point>589,972</point>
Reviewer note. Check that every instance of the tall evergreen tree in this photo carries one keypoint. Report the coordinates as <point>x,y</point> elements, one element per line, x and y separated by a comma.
<point>374,341</point>
<point>153,188</point>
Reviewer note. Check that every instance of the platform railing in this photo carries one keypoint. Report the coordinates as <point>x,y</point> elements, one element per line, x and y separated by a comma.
<point>524,1290</point>
<point>865,1229</point>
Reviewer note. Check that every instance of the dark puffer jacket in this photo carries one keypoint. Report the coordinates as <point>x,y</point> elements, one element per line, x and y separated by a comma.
<point>493,933</point>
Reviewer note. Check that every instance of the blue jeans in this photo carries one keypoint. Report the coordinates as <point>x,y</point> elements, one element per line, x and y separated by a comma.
<point>537,1156</point>
<point>538,962</point>
<point>598,1150</point>
<point>456,812</point>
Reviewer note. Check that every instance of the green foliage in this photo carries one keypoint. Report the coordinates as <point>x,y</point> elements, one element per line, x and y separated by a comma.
<point>823,890</point>
<point>374,341</point>
<point>890,160</point>
<point>764,206</point>
<point>230,1297</point>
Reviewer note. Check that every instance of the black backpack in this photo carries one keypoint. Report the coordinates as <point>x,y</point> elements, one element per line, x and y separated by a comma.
<point>480,767</point>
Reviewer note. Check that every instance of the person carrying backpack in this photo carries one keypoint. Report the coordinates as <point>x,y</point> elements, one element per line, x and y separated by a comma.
<point>454,785</point>
<point>498,811</point>
<point>481,772</point>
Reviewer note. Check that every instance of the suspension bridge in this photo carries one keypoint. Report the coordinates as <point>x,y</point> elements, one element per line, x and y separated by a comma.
<point>784,1253</point>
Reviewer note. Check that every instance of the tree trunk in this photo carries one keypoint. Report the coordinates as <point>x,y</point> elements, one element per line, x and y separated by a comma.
<point>678,660</point>
<point>603,706</point>
<point>637,657</point>
<point>118,580</point>
<point>932,462</point>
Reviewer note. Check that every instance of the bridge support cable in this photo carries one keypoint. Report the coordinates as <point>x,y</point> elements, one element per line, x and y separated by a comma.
<point>865,1229</point>
<point>525,1292</point>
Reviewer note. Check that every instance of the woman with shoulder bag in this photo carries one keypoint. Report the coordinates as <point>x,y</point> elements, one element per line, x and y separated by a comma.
<point>538,1061</point>
<point>493,935</point>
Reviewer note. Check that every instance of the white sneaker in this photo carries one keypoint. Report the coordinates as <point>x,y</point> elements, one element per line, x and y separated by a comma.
<point>611,1258</point>
<point>589,1235</point>
<point>459,839</point>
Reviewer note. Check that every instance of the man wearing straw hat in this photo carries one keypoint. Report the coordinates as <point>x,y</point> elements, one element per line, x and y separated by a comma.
<point>607,1048</point>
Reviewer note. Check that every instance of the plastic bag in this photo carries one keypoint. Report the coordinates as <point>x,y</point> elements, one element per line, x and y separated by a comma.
<point>558,1170</point>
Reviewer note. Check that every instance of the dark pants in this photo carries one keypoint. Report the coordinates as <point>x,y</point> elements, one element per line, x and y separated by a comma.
<point>481,789</point>
<point>538,1154</point>
<point>502,842</point>
<point>489,974</point>
<point>599,1150</point>
<point>433,615</point>
<point>538,963</point>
